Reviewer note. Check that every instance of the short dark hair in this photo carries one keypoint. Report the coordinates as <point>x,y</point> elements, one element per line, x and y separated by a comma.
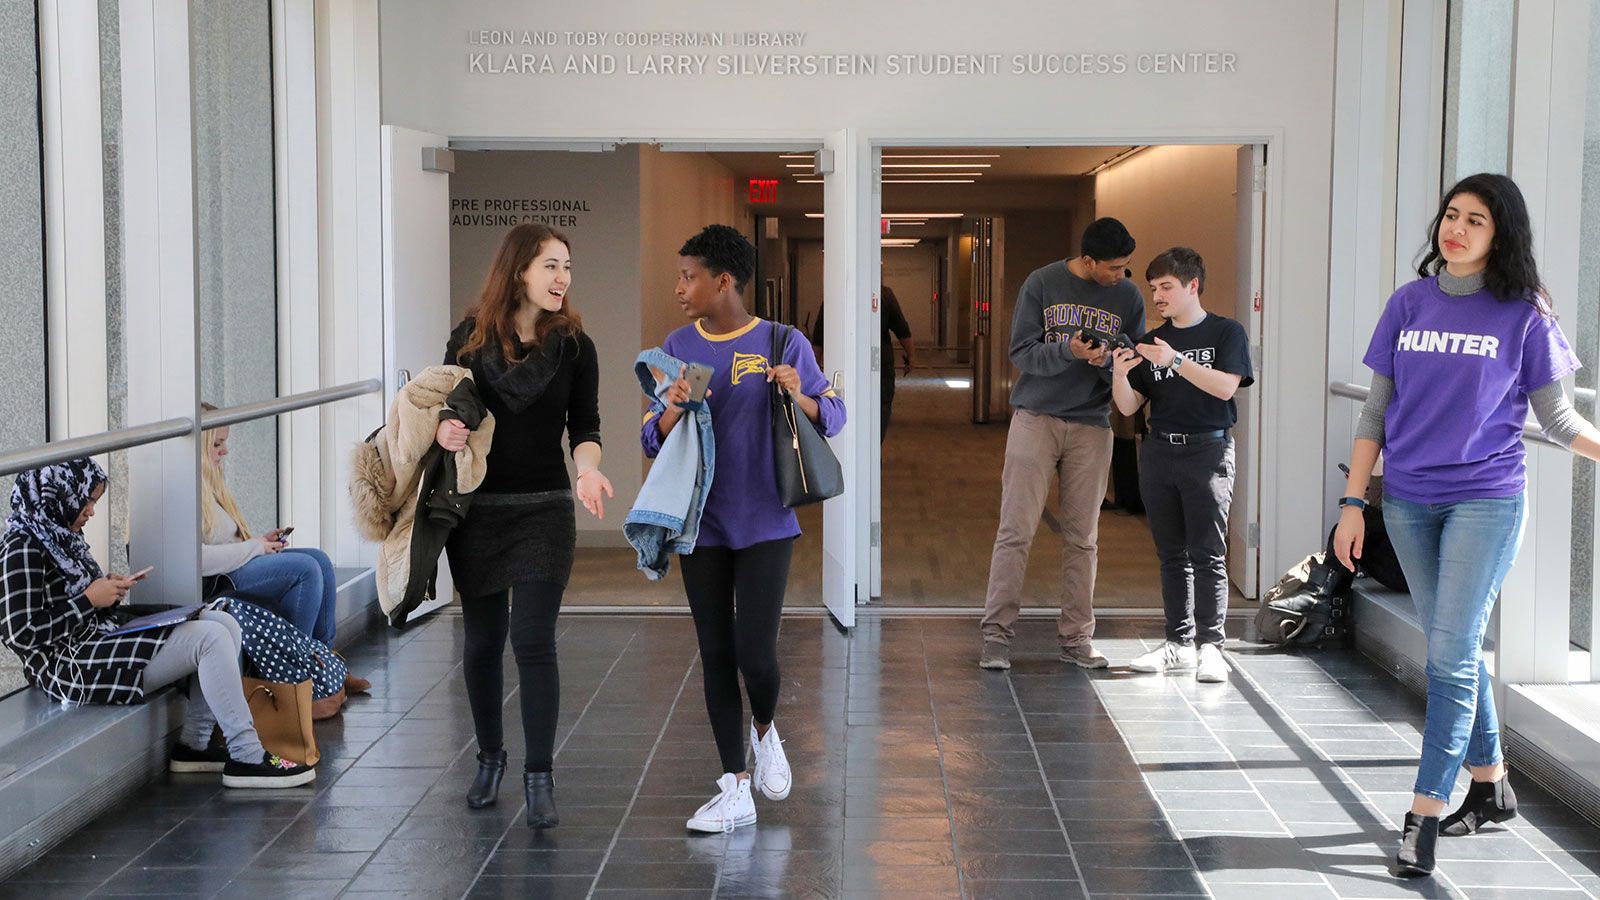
<point>724,250</point>
<point>1106,238</point>
<point>1181,263</point>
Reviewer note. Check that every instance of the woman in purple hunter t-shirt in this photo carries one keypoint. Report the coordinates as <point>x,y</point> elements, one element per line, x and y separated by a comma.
<point>1458,358</point>
<point>736,576</point>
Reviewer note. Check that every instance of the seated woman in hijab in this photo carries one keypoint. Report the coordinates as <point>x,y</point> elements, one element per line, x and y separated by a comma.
<point>57,613</point>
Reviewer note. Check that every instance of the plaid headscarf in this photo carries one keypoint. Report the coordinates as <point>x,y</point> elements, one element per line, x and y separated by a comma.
<point>45,502</point>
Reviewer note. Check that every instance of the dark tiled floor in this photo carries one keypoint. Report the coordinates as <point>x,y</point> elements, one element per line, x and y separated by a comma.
<point>916,776</point>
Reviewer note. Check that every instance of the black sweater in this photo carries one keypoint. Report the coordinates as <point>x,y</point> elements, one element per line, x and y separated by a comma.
<point>525,456</point>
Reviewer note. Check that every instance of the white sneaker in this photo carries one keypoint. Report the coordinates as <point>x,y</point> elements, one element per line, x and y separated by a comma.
<point>1167,657</point>
<point>1213,665</point>
<point>771,775</point>
<point>731,808</point>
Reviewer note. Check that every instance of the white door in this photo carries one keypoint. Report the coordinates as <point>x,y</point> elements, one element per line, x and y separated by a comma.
<point>1244,518</point>
<point>850,199</point>
<point>416,274</point>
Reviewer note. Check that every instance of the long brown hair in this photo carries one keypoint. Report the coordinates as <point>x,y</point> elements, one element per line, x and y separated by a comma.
<point>503,294</point>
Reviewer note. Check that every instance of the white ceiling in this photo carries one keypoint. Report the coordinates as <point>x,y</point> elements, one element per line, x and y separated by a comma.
<point>996,163</point>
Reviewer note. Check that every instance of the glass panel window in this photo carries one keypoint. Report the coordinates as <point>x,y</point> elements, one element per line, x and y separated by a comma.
<point>24,405</point>
<point>1585,334</point>
<point>232,45</point>
<point>1477,117</point>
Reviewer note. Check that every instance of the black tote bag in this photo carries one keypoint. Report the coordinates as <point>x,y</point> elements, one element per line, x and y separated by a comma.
<point>807,470</point>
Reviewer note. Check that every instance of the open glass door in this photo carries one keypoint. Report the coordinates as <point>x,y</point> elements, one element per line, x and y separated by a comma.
<point>416,271</point>
<point>1244,518</point>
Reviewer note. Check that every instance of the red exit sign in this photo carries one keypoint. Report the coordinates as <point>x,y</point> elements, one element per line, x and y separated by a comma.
<point>762,190</point>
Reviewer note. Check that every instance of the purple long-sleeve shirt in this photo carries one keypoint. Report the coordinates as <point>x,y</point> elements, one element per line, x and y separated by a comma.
<point>742,508</point>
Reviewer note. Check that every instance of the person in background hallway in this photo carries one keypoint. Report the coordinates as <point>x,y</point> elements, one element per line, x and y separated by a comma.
<point>538,373</point>
<point>1189,369</point>
<point>58,614</point>
<point>736,577</point>
<point>894,323</point>
<point>1458,358</point>
<point>1061,428</point>
<point>297,583</point>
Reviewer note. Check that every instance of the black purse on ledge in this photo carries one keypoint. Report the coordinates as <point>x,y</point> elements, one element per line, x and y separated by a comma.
<point>806,468</point>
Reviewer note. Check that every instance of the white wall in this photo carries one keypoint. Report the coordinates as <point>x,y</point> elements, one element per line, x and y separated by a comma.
<point>1172,196</point>
<point>605,278</point>
<point>1276,89</point>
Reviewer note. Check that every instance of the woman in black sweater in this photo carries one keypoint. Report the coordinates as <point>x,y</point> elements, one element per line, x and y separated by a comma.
<point>537,373</point>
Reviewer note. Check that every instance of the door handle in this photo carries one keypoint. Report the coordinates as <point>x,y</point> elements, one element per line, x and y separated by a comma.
<point>403,376</point>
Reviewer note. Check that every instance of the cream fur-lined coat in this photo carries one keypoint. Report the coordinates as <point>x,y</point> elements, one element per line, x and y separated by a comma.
<point>386,473</point>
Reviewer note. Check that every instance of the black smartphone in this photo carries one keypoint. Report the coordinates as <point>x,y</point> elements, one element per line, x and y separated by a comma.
<point>699,378</point>
<point>285,532</point>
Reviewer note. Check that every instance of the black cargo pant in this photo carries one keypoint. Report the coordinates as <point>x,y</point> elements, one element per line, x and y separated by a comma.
<point>1187,489</point>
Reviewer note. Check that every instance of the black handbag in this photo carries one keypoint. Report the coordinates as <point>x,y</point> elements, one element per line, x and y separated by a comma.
<point>806,468</point>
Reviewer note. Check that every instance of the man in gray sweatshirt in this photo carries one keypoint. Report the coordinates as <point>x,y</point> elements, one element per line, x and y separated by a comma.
<point>1061,428</point>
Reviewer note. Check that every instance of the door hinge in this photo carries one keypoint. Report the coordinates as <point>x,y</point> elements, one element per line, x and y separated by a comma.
<point>1256,354</point>
<point>1252,535</point>
<point>1258,179</point>
<point>877,534</point>
<point>877,356</point>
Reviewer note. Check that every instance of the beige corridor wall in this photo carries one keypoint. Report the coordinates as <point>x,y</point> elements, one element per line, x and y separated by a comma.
<point>679,194</point>
<point>1177,195</point>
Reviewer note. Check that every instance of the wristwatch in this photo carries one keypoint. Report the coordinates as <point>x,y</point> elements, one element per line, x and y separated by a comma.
<point>1177,360</point>
<point>1357,502</point>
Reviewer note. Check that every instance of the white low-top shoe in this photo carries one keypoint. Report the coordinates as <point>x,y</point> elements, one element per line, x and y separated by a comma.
<point>1213,665</point>
<point>1169,656</point>
<point>731,808</point>
<point>771,775</point>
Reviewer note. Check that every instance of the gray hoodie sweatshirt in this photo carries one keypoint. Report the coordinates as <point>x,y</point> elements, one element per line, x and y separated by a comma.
<point>1052,305</point>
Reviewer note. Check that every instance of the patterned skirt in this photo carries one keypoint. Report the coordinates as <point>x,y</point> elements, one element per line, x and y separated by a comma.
<point>510,539</point>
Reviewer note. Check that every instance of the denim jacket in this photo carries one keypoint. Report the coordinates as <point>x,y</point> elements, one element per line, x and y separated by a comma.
<point>666,516</point>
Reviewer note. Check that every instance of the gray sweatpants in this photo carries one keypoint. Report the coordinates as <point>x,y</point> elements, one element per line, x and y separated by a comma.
<point>1187,490</point>
<point>209,647</point>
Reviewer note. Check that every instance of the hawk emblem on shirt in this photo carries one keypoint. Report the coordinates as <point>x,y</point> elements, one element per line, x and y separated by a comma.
<point>748,364</point>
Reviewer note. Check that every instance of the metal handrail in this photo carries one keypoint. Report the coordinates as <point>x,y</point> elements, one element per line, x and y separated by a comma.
<point>1530,430</point>
<point>139,435</point>
<point>249,412</point>
<point>93,445</point>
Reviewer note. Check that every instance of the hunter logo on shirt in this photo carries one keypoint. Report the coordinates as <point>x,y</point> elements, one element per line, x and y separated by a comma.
<point>747,364</point>
<point>1419,340</point>
<point>1063,319</point>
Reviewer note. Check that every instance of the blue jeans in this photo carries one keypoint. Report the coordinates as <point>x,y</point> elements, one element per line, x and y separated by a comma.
<point>1455,556</point>
<point>298,584</point>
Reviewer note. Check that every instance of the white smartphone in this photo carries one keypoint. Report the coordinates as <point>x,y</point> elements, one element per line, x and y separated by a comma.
<point>140,575</point>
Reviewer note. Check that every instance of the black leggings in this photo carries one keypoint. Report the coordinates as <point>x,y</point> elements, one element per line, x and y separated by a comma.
<point>530,619</point>
<point>737,600</point>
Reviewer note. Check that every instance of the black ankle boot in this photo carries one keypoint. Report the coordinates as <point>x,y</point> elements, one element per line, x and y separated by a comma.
<point>541,790</point>
<point>485,788</point>
<point>1486,801</point>
<point>1416,846</point>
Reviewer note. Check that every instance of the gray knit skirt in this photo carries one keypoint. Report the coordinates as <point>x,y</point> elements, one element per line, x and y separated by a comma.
<point>509,539</point>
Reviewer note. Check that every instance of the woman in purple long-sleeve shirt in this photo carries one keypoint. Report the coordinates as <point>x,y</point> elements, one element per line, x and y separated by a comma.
<point>736,576</point>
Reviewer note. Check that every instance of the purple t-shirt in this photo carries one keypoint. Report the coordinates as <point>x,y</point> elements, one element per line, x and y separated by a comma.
<point>1462,369</point>
<point>742,508</point>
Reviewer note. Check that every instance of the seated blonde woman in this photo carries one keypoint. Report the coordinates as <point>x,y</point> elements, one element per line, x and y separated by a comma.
<point>295,582</point>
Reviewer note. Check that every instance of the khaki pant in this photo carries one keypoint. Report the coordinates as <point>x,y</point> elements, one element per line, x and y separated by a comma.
<point>1039,448</point>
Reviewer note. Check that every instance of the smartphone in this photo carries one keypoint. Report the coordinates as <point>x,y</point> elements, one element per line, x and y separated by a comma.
<point>699,378</point>
<point>140,575</point>
<point>285,532</point>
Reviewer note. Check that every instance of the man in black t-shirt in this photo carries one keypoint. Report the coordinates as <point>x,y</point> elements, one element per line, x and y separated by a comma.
<point>1189,369</point>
